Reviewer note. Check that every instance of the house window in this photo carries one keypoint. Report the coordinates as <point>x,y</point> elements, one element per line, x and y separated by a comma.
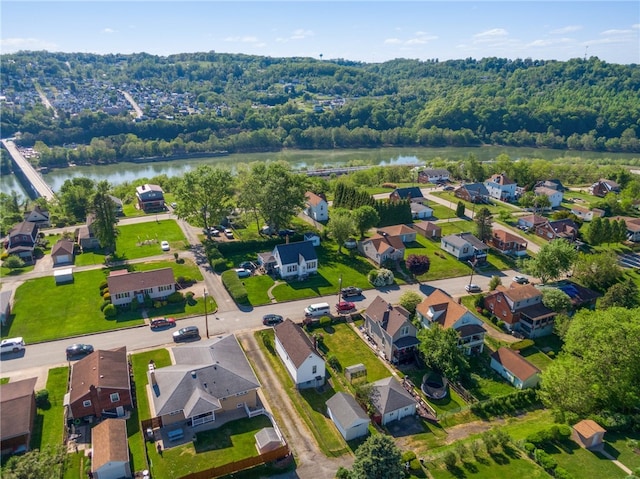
<point>86,403</point>
<point>405,330</point>
<point>115,397</point>
<point>314,369</point>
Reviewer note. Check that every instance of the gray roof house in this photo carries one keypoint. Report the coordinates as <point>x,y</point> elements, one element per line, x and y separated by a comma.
<point>299,355</point>
<point>465,246</point>
<point>348,416</point>
<point>298,259</point>
<point>391,400</point>
<point>125,286</point>
<point>209,379</point>
<point>391,330</point>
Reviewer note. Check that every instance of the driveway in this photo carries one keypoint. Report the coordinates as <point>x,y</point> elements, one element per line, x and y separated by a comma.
<point>311,462</point>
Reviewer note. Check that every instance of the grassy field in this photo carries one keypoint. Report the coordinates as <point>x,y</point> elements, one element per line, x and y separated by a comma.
<point>143,239</point>
<point>618,446</point>
<point>443,265</point>
<point>44,311</point>
<point>577,460</point>
<point>449,196</point>
<point>485,382</point>
<point>48,425</point>
<point>536,357</point>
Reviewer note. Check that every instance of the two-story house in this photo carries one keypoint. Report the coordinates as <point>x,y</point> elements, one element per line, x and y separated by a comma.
<point>299,355</point>
<point>440,309</point>
<point>603,187</point>
<point>500,187</point>
<point>17,414</point>
<point>100,385</point>
<point>555,196</point>
<point>316,207</point>
<point>39,216</point>
<point>558,229</point>
<point>465,247</point>
<point>125,286</point>
<point>295,260</point>
<point>508,243</point>
<point>21,241</point>
<point>520,308</point>
<point>391,329</point>
<point>433,175</point>
<point>86,237</point>
<point>150,197</point>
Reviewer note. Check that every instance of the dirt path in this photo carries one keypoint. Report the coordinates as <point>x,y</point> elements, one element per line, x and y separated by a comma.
<point>311,462</point>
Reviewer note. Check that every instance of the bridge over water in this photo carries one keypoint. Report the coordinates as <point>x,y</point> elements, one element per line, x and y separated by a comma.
<point>32,180</point>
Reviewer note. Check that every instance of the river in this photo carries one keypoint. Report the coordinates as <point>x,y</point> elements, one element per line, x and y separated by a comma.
<point>126,172</point>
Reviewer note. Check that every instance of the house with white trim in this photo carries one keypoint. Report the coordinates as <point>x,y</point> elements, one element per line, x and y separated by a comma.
<point>125,286</point>
<point>298,259</point>
<point>348,416</point>
<point>299,355</point>
<point>500,187</point>
<point>555,196</point>
<point>316,207</point>
<point>514,368</point>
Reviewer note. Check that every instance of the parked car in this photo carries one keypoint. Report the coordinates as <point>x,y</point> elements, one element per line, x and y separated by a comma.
<point>243,273</point>
<point>345,307</point>
<point>350,291</point>
<point>247,265</point>
<point>272,319</point>
<point>11,345</point>
<point>159,323</point>
<point>350,243</point>
<point>228,233</point>
<point>286,232</point>
<point>472,288</point>
<point>79,350</point>
<point>165,246</point>
<point>448,188</point>
<point>188,332</point>
<point>521,279</point>
<point>174,205</point>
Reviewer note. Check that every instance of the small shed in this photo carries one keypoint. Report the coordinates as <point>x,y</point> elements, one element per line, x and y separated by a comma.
<point>63,276</point>
<point>313,237</point>
<point>267,439</point>
<point>348,416</point>
<point>355,371</point>
<point>588,434</point>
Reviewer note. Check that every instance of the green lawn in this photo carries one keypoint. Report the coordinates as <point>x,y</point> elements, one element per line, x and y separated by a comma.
<point>617,445</point>
<point>340,340</point>
<point>257,287</point>
<point>75,465</point>
<point>48,425</point>
<point>44,311</point>
<point>441,212</point>
<point>443,265</point>
<point>15,272</point>
<point>536,357</point>
<point>485,382</point>
<point>143,239</point>
<point>309,404</point>
<point>577,460</point>
<point>450,196</point>
<point>452,403</point>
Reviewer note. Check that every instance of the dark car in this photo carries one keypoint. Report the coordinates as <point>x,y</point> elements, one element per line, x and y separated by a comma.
<point>345,307</point>
<point>286,232</point>
<point>448,188</point>
<point>159,323</point>
<point>188,332</point>
<point>79,350</point>
<point>271,319</point>
<point>247,265</point>
<point>350,291</point>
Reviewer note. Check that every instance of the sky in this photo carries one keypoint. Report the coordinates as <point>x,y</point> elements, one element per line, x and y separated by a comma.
<point>367,31</point>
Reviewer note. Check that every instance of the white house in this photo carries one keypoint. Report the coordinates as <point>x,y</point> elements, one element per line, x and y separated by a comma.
<point>316,207</point>
<point>299,355</point>
<point>587,214</point>
<point>465,246</point>
<point>391,401</point>
<point>125,286</point>
<point>420,211</point>
<point>348,416</point>
<point>500,187</point>
<point>440,308</point>
<point>380,248</point>
<point>433,175</point>
<point>110,459</point>
<point>298,259</point>
<point>514,368</point>
<point>555,196</point>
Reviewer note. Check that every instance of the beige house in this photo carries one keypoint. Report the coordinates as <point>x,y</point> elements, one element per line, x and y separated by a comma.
<point>514,368</point>
<point>110,459</point>
<point>125,286</point>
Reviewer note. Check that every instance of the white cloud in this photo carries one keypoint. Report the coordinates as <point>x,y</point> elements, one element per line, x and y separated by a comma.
<point>245,39</point>
<point>635,26</point>
<point>109,30</point>
<point>10,45</point>
<point>567,29</point>
<point>489,35</point>
<point>548,42</point>
<point>615,32</point>
<point>393,41</point>
<point>300,33</point>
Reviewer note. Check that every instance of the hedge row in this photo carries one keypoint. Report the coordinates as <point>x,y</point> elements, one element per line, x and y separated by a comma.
<point>506,404</point>
<point>235,287</point>
<point>253,246</point>
<point>522,344</point>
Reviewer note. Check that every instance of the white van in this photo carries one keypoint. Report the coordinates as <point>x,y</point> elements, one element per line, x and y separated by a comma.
<point>317,310</point>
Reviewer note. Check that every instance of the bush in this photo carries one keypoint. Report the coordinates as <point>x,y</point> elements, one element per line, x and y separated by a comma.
<point>104,305</point>
<point>380,277</point>
<point>106,296</point>
<point>219,265</point>
<point>189,295</point>
<point>500,324</point>
<point>522,344</point>
<point>42,399</point>
<point>235,287</point>
<point>450,459</point>
<point>547,462</point>
<point>175,297</point>
<point>109,311</point>
<point>103,285</point>
<point>562,473</point>
<point>334,362</point>
<point>408,456</point>
<point>13,262</point>
<point>551,354</point>
<point>134,304</point>
<point>529,448</point>
<point>324,321</point>
<point>415,465</point>
<point>343,473</point>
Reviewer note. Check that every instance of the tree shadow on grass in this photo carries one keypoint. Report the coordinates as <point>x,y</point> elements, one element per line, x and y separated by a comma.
<point>499,458</point>
<point>457,471</point>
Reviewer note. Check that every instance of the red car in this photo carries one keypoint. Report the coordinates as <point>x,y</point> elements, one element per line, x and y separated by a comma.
<point>160,323</point>
<point>345,307</point>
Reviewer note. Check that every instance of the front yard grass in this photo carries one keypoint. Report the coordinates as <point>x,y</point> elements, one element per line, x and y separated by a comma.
<point>44,311</point>
<point>443,265</point>
<point>143,239</point>
<point>485,382</point>
<point>48,425</point>
<point>451,197</point>
<point>257,287</point>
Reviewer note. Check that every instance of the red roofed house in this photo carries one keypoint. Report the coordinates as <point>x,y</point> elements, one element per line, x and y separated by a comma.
<point>514,368</point>
<point>125,286</point>
<point>521,309</point>
<point>100,385</point>
<point>110,450</point>
<point>17,413</point>
<point>603,187</point>
<point>299,355</point>
<point>440,308</point>
<point>406,234</point>
<point>316,207</point>
<point>508,243</point>
<point>428,229</point>
<point>558,229</point>
<point>391,329</point>
<point>588,434</point>
<point>380,248</point>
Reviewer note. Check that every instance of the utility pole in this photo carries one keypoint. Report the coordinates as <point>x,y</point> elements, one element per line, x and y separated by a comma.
<point>206,317</point>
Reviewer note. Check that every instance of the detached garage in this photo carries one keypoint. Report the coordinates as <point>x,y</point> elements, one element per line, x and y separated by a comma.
<point>348,416</point>
<point>62,252</point>
<point>110,450</point>
<point>63,276</point>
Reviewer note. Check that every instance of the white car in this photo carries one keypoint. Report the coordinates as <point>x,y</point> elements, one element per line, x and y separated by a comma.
<point>165,246</point>
<point>11,345</point>
<point>228,233</point>
<point>472,288</point>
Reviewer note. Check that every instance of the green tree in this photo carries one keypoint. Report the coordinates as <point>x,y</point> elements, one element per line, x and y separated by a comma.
<point>483,220</point>
<point>597,271</point>
<point>505,216</point>
<point>494,282</point>
<point>623,295</point>
<point>378,457</point>
<point>598,366</point>
<point>460,209</point>
<point>365,217</point>
<point>410,300</point>
<point>541,202</point>
<point>595,232</point>
<point>556,300</point>
<point>620,230</point>
<point>75,197</point>
<point>527,200</point>
<point>606,231</point>
<point>36,463</point>
<point>105,220</point>
<point>340,227</point>
<point>204,195</point>
<point>13,262</point>
<point>439,349</point>
<point>552,261</point>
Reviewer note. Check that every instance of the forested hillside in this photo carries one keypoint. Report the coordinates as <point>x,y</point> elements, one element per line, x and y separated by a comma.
<point>206,102</point>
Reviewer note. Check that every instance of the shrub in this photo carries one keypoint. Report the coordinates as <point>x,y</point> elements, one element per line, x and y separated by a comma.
<point>134,305</point>
<point>106,296</point>
<point>343,473</point>
<point>522,344</point>
<point>42,399</point>
<point>408,456</point>
<point>175,297</point>
<point>415,465</point>
<point>324,321</point>
<point>551,354</point>
<point>562,473</point>
<point>13,262</point>
<point>450,459</point>
<point>334,362</point>
<point>547,462</point>
<point>104,305</point>
<point>500,324</point>
<point>235,287</point>
<point>529,448</point>
<point>189,295</point>
<point>103,285</point>
<point>219,265</point>
<point>110,311</point>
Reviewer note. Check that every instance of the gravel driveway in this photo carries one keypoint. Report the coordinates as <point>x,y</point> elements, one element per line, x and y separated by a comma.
<point>311,462</point>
